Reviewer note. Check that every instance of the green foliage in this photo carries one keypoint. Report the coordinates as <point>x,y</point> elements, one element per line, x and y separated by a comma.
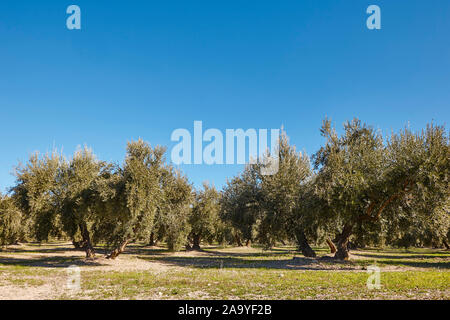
<point>410,228</point>
<point>349,170</point>
<point>240,203</point>
<point>78,181</point>
<point>279,195</point>
<point>204,219</point>
<point>11,229</point>
<point>38,195</point>
<point>225,233</point>
<point>400,183</point>
<point>133,196</point>
<point>174,209</point>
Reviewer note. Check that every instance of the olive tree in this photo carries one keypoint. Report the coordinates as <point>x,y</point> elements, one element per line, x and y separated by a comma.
<point>280,197</point>
<point>134,196</point>
<point>362,179</point>
<point>11,221</point>
<point>78,179</point>
<point>204,218</point>
<point>174,209</point>
<point>38,194</point>
<point>239,204</point>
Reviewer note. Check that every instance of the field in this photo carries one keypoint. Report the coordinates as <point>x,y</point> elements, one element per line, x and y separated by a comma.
<point>34,271</point>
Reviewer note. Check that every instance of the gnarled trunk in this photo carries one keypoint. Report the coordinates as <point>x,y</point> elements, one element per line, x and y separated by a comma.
<point>90,253</point>
<point>332,246</point>
<point>342,244</point>
<point>118,250</point>
<point>248,243</point>
<point>303,245</point>
<point>196,242</point>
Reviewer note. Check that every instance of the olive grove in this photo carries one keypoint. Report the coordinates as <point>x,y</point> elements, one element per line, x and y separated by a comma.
<point>359,189</point>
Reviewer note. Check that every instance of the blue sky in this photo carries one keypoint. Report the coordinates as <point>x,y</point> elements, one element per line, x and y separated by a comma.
<point>145,68</point>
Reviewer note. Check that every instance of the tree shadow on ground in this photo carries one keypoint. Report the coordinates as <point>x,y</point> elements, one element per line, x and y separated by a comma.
<point>417,264</point>
<point>426,251</point>
<point>255,254</point>
<point>43,250</point>
<point>137,249</point>
<point>36,247</point>
<point>149,250</point>
<point>33,255</point>
<point>49,262</point>
<point>434,262</point>
<point>444,263</point>
<point>411,256</point>
<point>226,262</point>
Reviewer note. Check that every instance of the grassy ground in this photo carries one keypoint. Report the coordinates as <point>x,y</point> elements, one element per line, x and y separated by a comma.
<point>40,272</point>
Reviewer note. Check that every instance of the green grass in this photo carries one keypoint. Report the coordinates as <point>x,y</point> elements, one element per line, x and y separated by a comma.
<point>265,284</point>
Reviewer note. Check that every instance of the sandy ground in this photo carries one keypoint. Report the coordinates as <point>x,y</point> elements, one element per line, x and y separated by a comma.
<point>53,285</point>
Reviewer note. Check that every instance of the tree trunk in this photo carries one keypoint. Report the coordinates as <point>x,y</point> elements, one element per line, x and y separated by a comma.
<point>90,253</point>
<point>303,245</point>
<point>331,245</point>
<point>196,242</point>
<point>152,240</point>
<point>238,240</point>
<point>118,250</point>
<point>446,245</point>
<point>342,244</point>
<point>248,243</point>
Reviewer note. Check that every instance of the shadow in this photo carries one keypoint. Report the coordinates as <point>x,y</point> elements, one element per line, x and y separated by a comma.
<point>46,250</point>
<point>224,262</point>
<point>417,264</point>
<point>140,250</point>
<point>50,262</point>
<point>249,254</point>
<point>409,261</point>
<point>386,256</point>
<point>38,259</point>
<point>418,251</point>
<point>35,247</point>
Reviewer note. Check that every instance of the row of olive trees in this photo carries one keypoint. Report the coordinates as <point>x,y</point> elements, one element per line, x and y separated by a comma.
<point>91,201</point>
<point>361,186</point>
<point>11,219</point>
<point>358,186</point>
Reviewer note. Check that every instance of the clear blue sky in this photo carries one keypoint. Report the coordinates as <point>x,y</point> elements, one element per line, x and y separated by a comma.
<point>145,68</point>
